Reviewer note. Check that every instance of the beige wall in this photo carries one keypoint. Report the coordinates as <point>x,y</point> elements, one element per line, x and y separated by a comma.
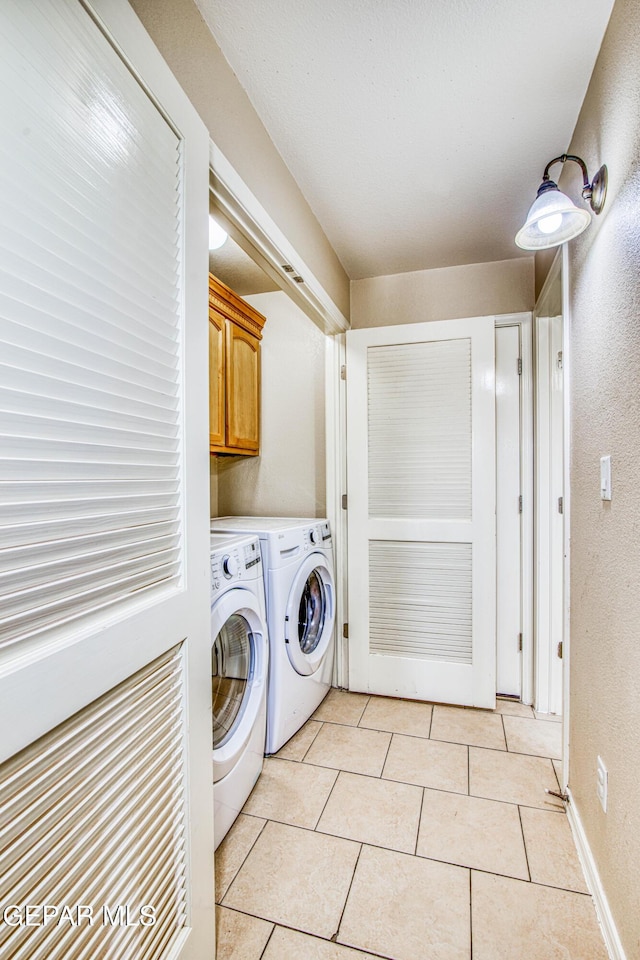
<point>187,45</point>
<point>288,478</point>
<point>472,290</point>
<point>604,280</point>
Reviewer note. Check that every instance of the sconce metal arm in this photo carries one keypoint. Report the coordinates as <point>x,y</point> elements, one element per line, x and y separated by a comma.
<point>586,186</point>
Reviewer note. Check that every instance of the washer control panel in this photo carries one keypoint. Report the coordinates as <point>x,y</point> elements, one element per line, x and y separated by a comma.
<point>233,564</point>
<point>318,535</point>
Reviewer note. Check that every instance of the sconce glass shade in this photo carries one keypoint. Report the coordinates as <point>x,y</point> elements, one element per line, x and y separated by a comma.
<point>552,219</point>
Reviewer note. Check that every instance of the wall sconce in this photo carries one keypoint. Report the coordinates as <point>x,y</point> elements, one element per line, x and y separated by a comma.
<point>553,218</point>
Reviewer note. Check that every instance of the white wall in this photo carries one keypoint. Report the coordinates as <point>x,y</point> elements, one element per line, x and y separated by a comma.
<point>288,478</point>
<point>604,291</point>
<point>471,290</point>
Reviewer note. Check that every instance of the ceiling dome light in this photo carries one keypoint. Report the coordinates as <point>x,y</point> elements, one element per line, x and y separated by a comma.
<point>553,218</point>
<point>217,236</point>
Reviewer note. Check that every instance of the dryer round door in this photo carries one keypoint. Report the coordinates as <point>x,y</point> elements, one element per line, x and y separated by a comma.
<point>238,674</point>
<point>310,615</point>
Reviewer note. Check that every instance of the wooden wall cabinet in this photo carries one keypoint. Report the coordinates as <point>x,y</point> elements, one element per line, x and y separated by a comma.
<point>235,332</point>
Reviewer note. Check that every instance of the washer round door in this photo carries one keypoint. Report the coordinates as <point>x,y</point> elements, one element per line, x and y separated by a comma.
<point>238,674</point>
<point>310,615</point>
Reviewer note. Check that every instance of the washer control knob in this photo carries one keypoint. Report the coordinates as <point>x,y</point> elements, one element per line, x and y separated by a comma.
<point>313,536</point>
<point>229,566</point>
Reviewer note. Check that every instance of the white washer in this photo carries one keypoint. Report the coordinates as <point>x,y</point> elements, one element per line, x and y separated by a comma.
<point>239,671</point>
<point>300,588</point>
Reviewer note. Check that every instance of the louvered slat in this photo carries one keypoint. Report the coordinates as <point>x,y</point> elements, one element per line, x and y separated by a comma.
<point>420,600</point>
<point>90,328</point>
<point>419,430</point>
<point>94,813</point>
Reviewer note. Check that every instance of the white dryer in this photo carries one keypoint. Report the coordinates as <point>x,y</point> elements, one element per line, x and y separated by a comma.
<point>300,589</point>
<point>239,671</point>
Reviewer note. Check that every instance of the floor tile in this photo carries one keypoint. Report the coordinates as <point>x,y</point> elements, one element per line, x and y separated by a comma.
<point>292,945</point>
<point>398,716</point>
<point>515,919</point>
<point>291,792</point>
<point>557,766</point>
<point>297,878</point>
<point>379,812</point>
<point>297,746</point>
<point>233,851</point>
<point>473,832</point>
<point>404,908</point>
<point>239,937</point>
<point>340,706</point>
<point>513,708</point>
<point>429,763</point>
<point>479,728</point>
<point>512,777</point>
<point>552,855</point>
<point>539,738</point>
<point>349,748</point>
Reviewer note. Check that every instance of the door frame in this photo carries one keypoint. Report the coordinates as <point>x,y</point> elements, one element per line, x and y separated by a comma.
<point>525,322</point>
<point>253,229</point>
<point>337,476</point>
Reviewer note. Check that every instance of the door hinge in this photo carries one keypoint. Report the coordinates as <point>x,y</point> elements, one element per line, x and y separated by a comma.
<point>343,372</point>
<point>560,360</point>
<point>560,650</point>
<point>520,504</point>
<point>560,504</point>
<point>520,643</point>
<point>519,366</point>
<point>344,501</point>
<point>345,630</point>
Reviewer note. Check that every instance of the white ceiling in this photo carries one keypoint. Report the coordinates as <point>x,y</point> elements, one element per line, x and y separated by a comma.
<point>418,130</point>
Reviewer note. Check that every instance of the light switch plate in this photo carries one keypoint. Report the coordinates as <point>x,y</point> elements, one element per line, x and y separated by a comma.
<point>605,478</point>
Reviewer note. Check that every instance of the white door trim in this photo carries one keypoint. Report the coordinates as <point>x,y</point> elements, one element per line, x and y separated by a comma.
<point>525,322</point>
<point>258,234</point>
<point>336,486</point>
<point>252,227</point>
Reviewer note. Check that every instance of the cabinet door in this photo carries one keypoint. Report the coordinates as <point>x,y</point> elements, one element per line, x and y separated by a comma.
<point>243,389</point>
<point>216,379</point>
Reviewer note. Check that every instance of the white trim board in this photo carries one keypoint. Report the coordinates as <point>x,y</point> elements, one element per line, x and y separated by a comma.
<point>259,235</point>
<point>525,322</point>
<point>592,877</point>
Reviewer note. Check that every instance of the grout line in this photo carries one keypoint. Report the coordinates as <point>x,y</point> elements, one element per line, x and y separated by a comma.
<point>324,806</point>
<point>321,722</point>
<point>346,899</point>
<point>415,851</point>
<point>504,734</point>
<point>273,930</point>
<point>524,842</point>
<point>384,762</point>
<point>431,722</point>
<point>468,772</point>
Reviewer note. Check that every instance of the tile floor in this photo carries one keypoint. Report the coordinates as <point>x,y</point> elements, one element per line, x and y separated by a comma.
<point>389,828</point>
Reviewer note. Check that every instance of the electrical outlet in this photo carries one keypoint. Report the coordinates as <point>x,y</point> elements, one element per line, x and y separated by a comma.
<point>602,783</point>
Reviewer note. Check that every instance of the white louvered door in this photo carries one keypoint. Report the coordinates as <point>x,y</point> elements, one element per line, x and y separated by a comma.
<point>421,511</point>
<point>106,805</point>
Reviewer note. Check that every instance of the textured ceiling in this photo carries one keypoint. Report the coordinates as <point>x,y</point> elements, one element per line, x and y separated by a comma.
<point>417,129</point>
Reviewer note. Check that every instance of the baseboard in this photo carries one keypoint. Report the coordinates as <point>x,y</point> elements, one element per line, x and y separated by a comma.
<point>603,911</point>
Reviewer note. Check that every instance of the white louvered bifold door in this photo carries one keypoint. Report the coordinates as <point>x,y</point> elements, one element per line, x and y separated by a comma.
<point>105,787</point>
<point>421,511</point>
